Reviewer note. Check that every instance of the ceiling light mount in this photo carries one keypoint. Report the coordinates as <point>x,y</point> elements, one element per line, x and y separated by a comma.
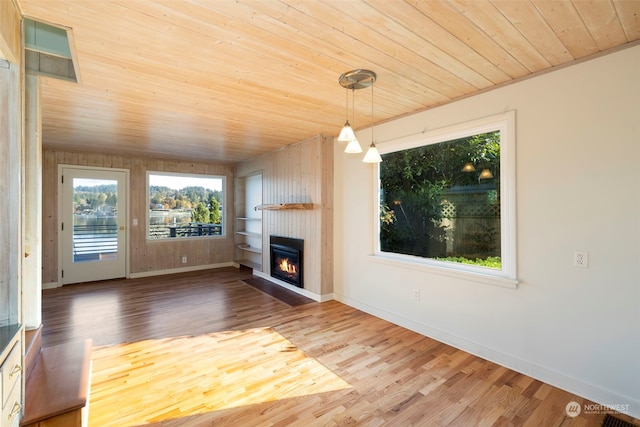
<point>357,79</point>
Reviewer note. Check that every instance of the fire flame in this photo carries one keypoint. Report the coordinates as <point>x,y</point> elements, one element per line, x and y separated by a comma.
<point>288,267</point>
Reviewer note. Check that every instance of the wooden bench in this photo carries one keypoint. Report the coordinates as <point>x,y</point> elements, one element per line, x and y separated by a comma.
<point>57,385</point>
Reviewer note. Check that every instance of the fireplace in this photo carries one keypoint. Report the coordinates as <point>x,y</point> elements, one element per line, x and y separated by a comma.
<point>286,255</point>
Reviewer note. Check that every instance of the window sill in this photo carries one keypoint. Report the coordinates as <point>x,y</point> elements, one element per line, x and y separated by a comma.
<point>457,272</point>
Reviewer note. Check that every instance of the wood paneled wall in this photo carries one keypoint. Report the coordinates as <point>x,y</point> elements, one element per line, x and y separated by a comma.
<point>144,256</point>
<point>10,31</point>
<point>300,173</point>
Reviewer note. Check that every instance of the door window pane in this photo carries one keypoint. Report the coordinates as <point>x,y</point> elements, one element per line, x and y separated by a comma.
<point>95,220</point>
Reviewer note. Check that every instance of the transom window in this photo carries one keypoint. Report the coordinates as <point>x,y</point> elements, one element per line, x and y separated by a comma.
<point>183,205</point>
<point>447,200</point>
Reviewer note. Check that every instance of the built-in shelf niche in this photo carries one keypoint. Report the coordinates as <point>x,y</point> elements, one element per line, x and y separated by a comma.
<point>248,221</point>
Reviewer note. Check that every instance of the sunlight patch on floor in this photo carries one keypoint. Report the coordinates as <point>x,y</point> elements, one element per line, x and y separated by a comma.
<point>168,378</point>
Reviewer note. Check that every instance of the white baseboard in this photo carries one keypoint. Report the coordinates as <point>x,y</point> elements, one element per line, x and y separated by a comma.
<point>50,285</point>
<point>53,285</point>
<point>603,397</point>
<point>179,270</point>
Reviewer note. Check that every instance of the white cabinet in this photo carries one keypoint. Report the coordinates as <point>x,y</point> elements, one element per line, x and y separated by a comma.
<point>248,221</point>
<point>11,375</point>
<point>12,148</point>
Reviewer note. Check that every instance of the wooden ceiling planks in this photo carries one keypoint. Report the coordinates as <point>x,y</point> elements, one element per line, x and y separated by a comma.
<point>229,80</point>
<point>629,15</point>
<point>568,26</point>
<point>454,21</point>
<point>388,50</point>
<point>470,65</point>
<point>501,31</point>
<point>603,23</point>
<point>530,23</point>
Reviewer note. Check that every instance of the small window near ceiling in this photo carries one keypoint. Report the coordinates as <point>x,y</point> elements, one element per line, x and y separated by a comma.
<point>447,199</point>
<point>185,206</point>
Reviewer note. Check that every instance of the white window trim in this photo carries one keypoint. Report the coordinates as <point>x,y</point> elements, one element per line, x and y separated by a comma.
<point>507,276</point>
<point>193,175</point>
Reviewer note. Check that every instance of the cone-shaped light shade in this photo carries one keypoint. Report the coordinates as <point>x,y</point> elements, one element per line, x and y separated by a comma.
<point>485,174</point>
<point>468,167</point>
<point>353,146</point>
<point>372,155</point>
<point>346,134</point>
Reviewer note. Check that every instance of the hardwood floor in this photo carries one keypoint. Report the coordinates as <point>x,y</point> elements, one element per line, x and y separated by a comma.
<point>204,349</point>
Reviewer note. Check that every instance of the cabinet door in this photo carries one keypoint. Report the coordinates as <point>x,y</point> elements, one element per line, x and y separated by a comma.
<point>11,412</point>
<point>11,373</point>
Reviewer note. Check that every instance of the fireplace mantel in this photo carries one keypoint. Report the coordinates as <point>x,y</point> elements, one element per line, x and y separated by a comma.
<point>285,206</point>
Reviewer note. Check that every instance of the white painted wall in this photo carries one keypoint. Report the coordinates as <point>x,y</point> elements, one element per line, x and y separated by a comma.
<point>578,188</point>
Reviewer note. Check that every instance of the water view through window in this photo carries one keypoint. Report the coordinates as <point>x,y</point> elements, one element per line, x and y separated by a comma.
<point>184,205</point>
<point>95,219</point>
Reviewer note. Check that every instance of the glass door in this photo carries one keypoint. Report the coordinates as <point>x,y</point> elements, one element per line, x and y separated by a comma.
<point>93,224</point>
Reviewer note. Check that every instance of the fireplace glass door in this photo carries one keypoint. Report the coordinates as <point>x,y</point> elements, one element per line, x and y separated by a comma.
<point>286,260</point>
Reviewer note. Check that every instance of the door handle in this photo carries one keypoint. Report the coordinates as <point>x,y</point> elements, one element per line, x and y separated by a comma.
<point>121,227</point>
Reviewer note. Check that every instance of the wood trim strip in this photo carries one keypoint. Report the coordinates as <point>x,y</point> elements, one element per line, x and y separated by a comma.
<point>285,206</point>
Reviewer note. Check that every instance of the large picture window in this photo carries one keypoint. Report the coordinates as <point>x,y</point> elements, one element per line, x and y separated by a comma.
<point>182,205</point>
<point>447,199</point>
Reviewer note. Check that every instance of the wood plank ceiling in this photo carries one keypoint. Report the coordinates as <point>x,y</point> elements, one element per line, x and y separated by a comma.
<point>226,80</point>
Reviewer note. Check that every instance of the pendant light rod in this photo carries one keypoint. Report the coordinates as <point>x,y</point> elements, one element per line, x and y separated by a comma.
<point>346,133</point>
<point>346,113</point>
<point>353,145</point>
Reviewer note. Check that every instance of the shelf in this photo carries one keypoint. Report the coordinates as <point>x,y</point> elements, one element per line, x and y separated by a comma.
<point>249,249</point>
<point>248,263</point>
<point>249,233</point>
<point>285,206</point>
<point>248,222</point>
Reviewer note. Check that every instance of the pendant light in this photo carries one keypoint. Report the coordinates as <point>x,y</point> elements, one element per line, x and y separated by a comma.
<point>372,155</point>
<point>354,79</point>
<point>468,167</point>
<point>485,174</point>
<point>346,134</point>
<point>353,147</point>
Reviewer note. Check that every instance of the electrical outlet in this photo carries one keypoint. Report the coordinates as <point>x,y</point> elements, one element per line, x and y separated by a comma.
<point>581,259</point>
<point>184,259</point>
<point>416,294</point>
